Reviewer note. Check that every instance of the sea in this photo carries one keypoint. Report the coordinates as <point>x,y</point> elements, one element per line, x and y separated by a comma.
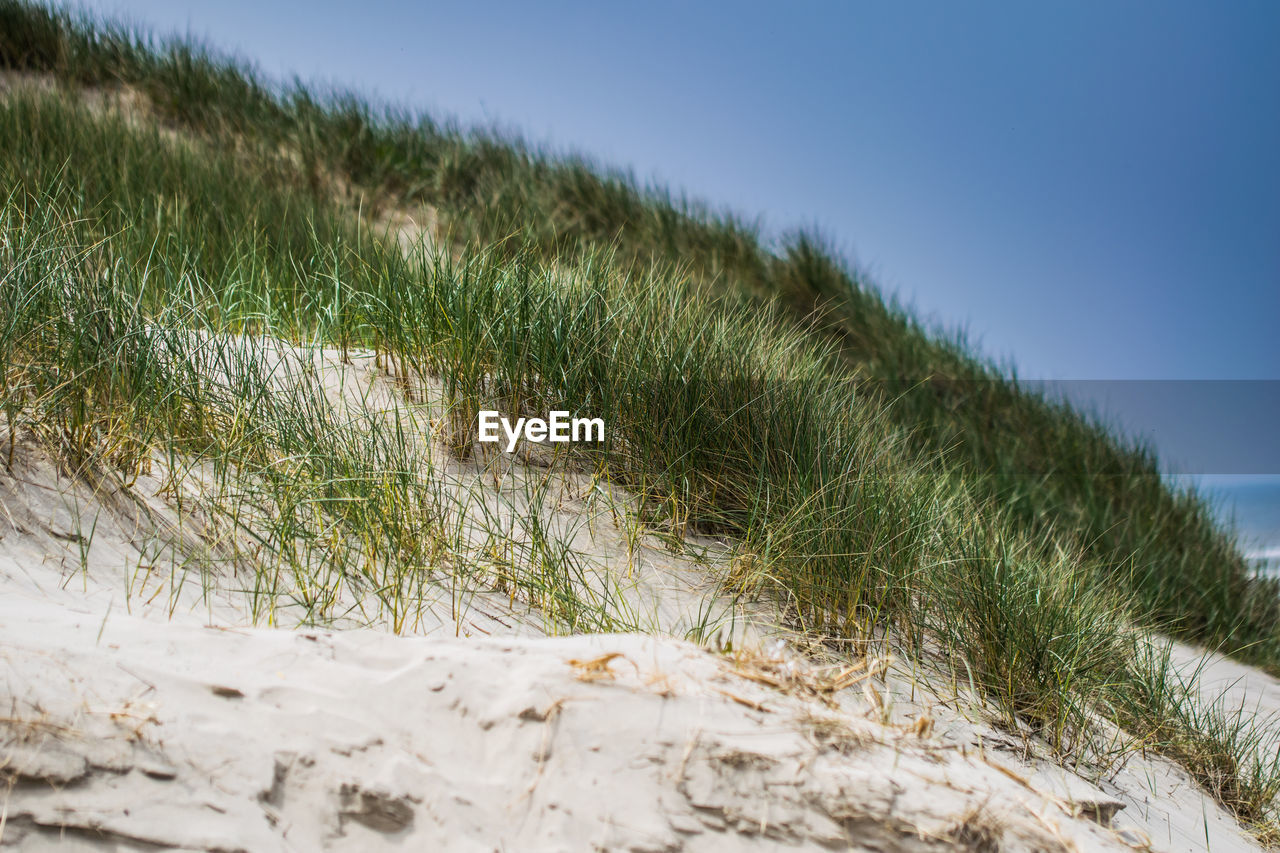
<point>1215,434</point>
<point>1251,504</point>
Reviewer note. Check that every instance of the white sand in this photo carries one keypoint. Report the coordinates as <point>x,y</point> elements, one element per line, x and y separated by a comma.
<point>133,732</point>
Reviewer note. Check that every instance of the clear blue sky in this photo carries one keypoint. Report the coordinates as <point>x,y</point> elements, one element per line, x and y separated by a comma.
<point>1092,189</point>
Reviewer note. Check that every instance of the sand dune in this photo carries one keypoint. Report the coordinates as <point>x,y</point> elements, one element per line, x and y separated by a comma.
<point>147,707</point>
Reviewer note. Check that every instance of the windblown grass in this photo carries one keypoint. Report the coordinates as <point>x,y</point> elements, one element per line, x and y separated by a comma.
<point>160,293</point>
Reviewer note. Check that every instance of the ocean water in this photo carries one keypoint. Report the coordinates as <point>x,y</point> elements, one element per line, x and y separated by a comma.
<point>1252,503</point>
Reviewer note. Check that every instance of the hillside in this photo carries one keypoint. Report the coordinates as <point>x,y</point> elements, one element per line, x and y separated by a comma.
<point>245,335</point>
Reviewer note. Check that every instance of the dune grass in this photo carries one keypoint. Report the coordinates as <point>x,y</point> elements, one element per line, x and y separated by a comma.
<point>872,477</point>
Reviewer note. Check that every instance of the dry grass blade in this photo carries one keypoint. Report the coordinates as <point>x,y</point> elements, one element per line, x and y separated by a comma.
<point>597,668</point>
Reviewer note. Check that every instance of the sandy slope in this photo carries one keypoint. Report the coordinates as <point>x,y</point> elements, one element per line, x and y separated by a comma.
<point>143,712</point>
<point>135,733</point>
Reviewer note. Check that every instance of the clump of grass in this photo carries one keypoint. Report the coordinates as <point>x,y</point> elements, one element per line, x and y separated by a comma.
<point>338,513</point>
<point>1041,638</point>
<point>1229,747</point>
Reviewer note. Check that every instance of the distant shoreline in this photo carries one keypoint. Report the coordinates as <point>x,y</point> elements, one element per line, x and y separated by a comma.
<point>1254,508</point>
